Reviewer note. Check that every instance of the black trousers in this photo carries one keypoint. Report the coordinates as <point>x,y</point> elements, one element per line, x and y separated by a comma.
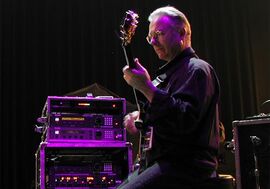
<point>167,175</point>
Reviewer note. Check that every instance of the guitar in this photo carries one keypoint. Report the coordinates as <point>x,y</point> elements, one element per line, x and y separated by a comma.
<point>127,31</point>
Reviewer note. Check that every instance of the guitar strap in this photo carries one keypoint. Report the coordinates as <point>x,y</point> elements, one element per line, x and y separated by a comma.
<point>159,79</point>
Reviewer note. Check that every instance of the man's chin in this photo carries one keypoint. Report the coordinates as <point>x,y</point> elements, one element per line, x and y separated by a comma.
<point>162,57</point>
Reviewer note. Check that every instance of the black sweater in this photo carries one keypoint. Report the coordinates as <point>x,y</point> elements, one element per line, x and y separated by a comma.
<point>184,113</point>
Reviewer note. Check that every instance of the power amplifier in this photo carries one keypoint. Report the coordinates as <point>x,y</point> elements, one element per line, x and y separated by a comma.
<point>85,120</point>
<point>75,134</point>
<point>86,105</point>
<point>86,127</point>
<point>75,165</point>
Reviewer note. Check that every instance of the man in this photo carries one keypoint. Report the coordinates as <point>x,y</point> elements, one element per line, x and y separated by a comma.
<point>181,106</point>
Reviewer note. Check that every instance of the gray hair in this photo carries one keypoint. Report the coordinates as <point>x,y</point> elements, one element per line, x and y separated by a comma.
<point>177,16</point>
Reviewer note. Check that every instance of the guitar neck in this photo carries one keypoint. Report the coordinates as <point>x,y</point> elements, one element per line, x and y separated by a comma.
<point>130,62</point>
<point>128,56</point>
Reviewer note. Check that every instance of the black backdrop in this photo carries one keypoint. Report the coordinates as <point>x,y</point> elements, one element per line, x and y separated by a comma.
<point>52,47</point>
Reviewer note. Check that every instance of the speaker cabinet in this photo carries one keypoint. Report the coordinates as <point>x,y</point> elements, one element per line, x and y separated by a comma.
<point>252,153</point>
<point>82,165</point>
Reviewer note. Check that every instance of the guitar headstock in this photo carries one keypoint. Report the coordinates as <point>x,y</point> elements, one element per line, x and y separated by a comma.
<point>127,29</point>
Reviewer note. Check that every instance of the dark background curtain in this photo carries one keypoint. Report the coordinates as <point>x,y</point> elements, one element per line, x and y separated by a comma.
<point>52,47</point>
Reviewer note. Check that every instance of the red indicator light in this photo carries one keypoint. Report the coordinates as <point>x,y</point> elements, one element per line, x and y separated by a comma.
<point>89,179</point>
<point>83,104</point>
<point>75,178</point>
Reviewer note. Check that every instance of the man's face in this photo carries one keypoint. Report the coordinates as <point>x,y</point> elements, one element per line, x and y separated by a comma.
<point>164,38</point>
